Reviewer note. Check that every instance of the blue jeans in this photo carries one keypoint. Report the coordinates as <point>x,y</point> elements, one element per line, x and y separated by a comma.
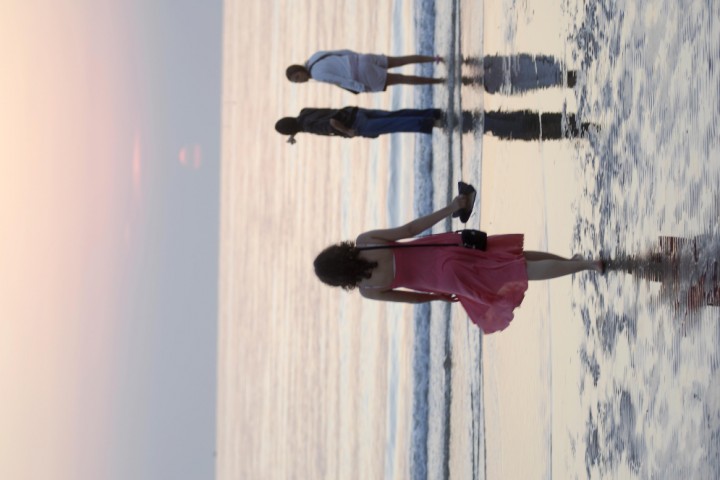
<point>371,123</point>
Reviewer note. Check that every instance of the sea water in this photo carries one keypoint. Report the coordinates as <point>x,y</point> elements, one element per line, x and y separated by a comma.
<point>648,380</point>
<point>648,350</point>
<point>602,377</point>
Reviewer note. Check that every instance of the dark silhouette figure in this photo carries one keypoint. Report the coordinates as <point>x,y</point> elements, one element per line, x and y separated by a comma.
<point>525,125</point>
<point>518,73</point>
<point>352,122</point>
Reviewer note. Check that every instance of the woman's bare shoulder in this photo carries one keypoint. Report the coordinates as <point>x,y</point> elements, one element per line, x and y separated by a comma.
<point>373,237</point>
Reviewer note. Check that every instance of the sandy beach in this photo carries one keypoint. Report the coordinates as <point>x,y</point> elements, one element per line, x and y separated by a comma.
<point>595,377</point>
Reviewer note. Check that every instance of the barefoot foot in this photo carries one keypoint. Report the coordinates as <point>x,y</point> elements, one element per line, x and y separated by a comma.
<point>601,266</point>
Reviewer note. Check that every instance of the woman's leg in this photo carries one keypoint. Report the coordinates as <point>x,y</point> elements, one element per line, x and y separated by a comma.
<point>396,79</point>
<point>533,255</point>
<point>553,268</point>
<point>408,59</point>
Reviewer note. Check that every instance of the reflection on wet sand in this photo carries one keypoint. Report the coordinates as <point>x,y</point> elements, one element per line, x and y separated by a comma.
<point>516,74</point>
<point>525,125</point>
<point>685,266</point>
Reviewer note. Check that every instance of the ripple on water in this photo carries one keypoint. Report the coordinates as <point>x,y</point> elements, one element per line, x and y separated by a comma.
<point>652,82</point>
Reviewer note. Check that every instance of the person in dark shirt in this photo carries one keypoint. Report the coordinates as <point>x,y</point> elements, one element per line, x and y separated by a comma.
<point>351,122</point>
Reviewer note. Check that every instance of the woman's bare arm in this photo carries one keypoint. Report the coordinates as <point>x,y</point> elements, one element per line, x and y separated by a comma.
<point>415,227</point>
<point>404,296</point>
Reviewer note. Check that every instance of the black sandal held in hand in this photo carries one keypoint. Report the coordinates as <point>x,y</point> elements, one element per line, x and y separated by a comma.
<point>464,213</point>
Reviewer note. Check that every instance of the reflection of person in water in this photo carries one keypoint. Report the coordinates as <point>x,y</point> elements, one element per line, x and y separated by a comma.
<point>525,125</point>
<point>519,73</point>
<point>351,122</point>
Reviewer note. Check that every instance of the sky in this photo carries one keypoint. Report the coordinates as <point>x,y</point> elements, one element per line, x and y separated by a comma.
<point>109,219</point>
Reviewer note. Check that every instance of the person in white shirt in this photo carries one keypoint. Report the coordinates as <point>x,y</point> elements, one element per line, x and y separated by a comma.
<point>359,72</point>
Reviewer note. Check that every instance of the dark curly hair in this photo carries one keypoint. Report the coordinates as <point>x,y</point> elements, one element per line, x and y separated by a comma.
<point>340,266</point>
<point>287,126</point>
<point>289,71</point>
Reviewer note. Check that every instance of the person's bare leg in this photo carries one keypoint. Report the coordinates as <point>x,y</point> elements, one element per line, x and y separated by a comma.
<point>547,269</point>
<point>397,79</point>
<point>409,59</point>
<point>533,255</point>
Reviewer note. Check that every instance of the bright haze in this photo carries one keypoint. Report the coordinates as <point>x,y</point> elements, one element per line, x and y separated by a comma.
<point>109,174</point>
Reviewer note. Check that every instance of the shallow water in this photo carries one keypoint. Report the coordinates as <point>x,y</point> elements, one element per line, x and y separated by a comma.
<point>601,377</point>
<point>648,382</point>
<point>645,356</point>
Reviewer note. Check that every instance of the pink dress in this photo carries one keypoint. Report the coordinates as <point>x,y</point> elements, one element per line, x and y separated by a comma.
<point>490,284</point>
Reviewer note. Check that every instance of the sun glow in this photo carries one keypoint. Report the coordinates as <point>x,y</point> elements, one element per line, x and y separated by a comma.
<point>137,165</point>
<point>62,211</point>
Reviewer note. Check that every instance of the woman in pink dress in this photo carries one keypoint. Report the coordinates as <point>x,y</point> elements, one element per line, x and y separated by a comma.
<point>489,284</point>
